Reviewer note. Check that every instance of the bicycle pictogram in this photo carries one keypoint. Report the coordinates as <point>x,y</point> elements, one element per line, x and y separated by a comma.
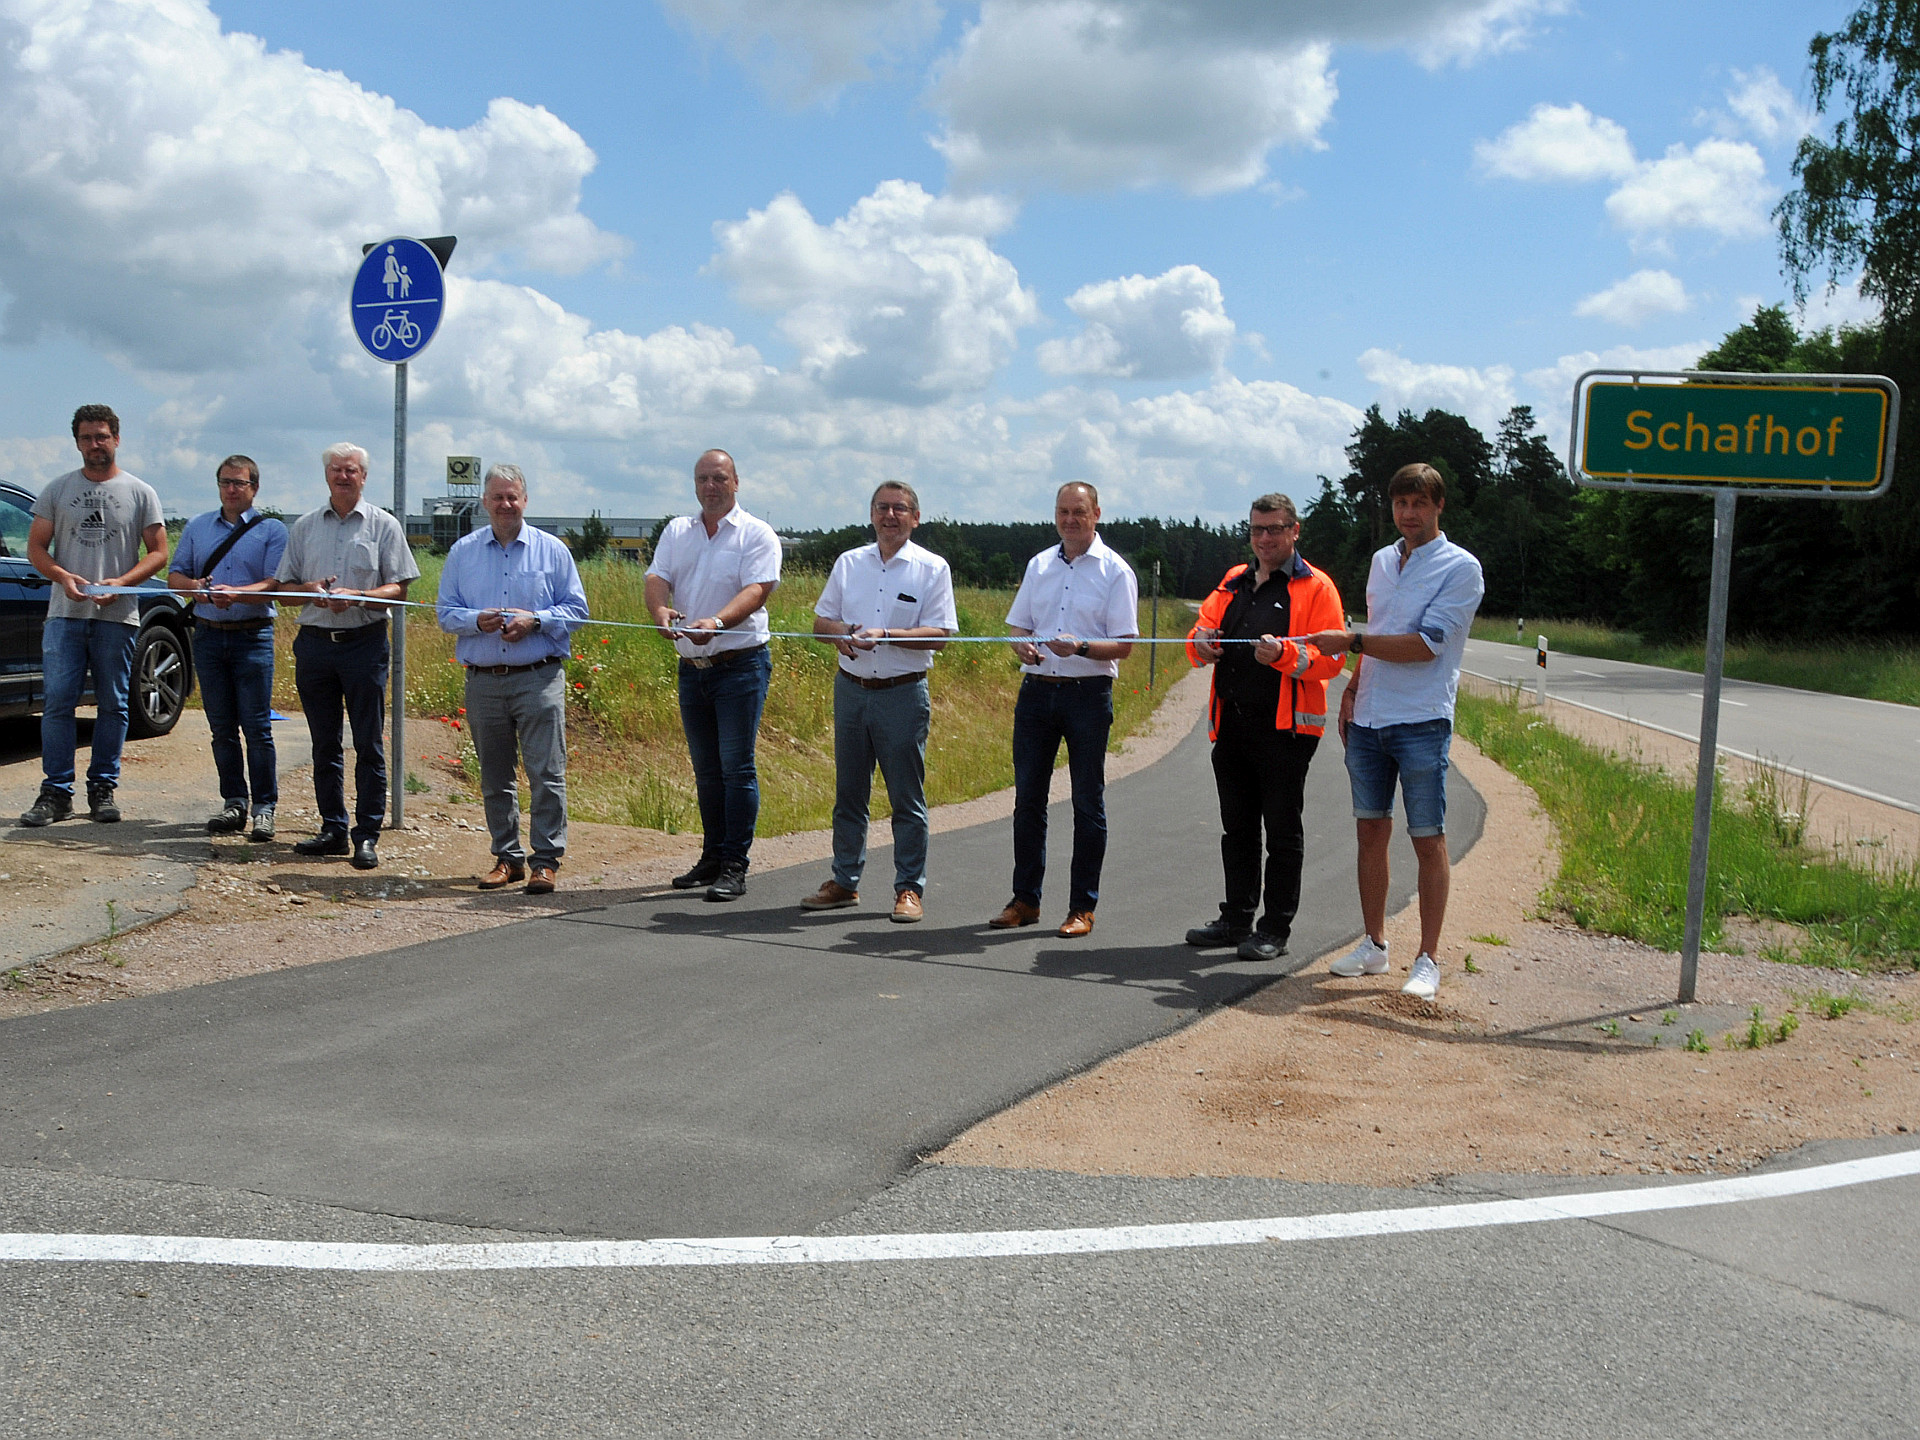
<point>396,326</point>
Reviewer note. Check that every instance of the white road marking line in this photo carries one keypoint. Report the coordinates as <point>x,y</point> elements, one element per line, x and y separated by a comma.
<point>1590,674</point>
<point>857,1249</point>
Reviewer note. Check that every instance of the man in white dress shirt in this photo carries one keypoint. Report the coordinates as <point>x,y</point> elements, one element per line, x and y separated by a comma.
<point>708,586</point>
<point>1081,602</point>
<point>887,607</point>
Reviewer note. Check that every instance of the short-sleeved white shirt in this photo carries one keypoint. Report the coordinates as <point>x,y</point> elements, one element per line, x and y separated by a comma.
<point>1095,597</point>
<point>365,550</point>
<point>708,571</point>
<point>913,589</point>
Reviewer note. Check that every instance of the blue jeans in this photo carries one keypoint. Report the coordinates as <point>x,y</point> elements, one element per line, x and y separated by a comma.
<point>349,675</point>
<point>68,650</point>
<point>1081,713</point>
<point>1416,756</point>
<point>235,669</point>
<point>720,712</point>
<point>887,727</point>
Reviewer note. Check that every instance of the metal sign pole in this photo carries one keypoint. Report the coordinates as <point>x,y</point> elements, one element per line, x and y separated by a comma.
<point>397,750</point>
<point>1723,503</point>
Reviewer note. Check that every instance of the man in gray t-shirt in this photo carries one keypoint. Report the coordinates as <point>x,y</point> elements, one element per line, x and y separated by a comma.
<point>96,525</point>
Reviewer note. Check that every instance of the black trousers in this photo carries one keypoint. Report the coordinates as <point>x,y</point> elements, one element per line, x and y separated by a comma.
<point>1261,774</point>
<point>351,677</point>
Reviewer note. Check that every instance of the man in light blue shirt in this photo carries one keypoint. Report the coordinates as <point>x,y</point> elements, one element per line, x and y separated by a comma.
<point>513,595</point>
<point>1396,715</point>
<point>222,556</point>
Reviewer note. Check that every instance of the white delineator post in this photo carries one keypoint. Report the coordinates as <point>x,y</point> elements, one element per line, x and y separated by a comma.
<point>1540,680</point>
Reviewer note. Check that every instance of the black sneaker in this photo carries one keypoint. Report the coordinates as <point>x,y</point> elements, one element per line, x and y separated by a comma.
<point>705,871</point>
<point>53,804</point>
<point>730,884</point>
<point>1218,934</point>
<point>100,804</point>
<point>365,857</point>
<point>1261,946</point>
<point>327,842</point>
<point>231,820</point>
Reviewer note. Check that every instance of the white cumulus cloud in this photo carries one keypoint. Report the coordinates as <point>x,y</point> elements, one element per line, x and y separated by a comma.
<point>1086,94</point>
<point>1765,108</point>
<point>1482,395</point>
<point>210,191</point>
<point>1558,142</point>
<point>1718,186</point>
<point>1637,299</point>
<point>901,298</point>
<point>1174,324</point>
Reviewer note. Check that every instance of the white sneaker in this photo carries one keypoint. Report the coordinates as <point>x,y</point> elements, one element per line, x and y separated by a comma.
<point>1425,980</point>
<point>1366,958</point>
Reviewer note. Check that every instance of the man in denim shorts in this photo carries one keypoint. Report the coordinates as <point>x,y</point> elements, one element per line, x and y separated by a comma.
<point>1396,716</point>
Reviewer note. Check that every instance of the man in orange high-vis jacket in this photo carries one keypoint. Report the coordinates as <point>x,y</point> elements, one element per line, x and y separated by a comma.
<point>1265,717</point>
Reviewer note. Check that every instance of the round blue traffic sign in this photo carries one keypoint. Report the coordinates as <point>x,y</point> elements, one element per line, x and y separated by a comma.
<point>398,297</point>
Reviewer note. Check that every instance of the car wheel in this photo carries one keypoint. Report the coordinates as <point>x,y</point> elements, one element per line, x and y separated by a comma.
<point>162,676</point>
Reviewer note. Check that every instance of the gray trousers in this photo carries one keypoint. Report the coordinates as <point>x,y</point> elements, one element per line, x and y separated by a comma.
<point>888,728</point>
<point>522,719</point>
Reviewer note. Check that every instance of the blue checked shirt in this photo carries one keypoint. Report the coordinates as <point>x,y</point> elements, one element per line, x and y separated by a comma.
<point>255,557</point>
<point>536,572</point>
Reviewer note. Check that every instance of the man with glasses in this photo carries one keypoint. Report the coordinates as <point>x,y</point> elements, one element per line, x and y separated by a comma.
<point>1266,714</point>
<point>887,608</point>
<point>344,554</point>
<point>719,566</point>
<point>95,526</point>
<point>223,556</point>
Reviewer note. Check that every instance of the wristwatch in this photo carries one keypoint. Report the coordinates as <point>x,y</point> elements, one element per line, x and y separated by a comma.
<point>1084,649</point>
<point>537,625</point>
<point>1359,646</point>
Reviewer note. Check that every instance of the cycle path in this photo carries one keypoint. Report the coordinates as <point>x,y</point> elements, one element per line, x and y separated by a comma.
<point>666,1066</point>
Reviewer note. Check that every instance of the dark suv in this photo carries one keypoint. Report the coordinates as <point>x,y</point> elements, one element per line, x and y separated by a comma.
<point>162,657</point>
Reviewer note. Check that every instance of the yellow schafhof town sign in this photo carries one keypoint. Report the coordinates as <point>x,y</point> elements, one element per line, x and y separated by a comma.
<point>1780,437</point>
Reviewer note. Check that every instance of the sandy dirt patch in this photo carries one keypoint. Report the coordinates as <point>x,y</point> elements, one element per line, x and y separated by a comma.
<point>1516,1067</point>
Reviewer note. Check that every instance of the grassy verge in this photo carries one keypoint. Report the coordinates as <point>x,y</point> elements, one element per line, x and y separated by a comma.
<point>627,761</point>
<point>1625,831</point>
<point>1870,669</point>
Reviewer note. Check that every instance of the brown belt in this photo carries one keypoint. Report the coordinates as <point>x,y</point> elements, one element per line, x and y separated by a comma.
<point>516,669</point>
<point>889,683</point>
<point>233,624</point>
<point>725,657</point>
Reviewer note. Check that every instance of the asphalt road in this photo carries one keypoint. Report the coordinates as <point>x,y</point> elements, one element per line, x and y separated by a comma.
<point>1867,747</point>
<point>669,1066</point>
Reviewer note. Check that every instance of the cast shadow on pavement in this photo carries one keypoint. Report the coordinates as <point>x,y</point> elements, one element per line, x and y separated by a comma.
<point>1183,978</point>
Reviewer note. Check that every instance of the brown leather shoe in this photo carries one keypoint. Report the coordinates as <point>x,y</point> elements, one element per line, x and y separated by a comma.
<point>541,882</point>
<point>906,908</point>
<point>1017,913</point>
<point>832,895</point>
<point>1077,923</point>
<point>504,873</point>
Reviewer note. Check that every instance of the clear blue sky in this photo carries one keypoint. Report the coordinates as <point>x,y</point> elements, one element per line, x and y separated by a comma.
<point>1170,246</point>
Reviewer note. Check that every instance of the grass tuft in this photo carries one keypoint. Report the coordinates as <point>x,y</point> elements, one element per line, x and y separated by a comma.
<point>1625,832</point>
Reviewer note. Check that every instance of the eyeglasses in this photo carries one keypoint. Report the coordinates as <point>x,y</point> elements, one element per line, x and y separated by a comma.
<point>224,482</point>
<point>891,507</point>
<point>1274,529</point>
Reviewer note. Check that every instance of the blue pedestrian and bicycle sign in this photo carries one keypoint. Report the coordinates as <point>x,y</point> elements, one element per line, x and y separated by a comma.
<point>398,297</point>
